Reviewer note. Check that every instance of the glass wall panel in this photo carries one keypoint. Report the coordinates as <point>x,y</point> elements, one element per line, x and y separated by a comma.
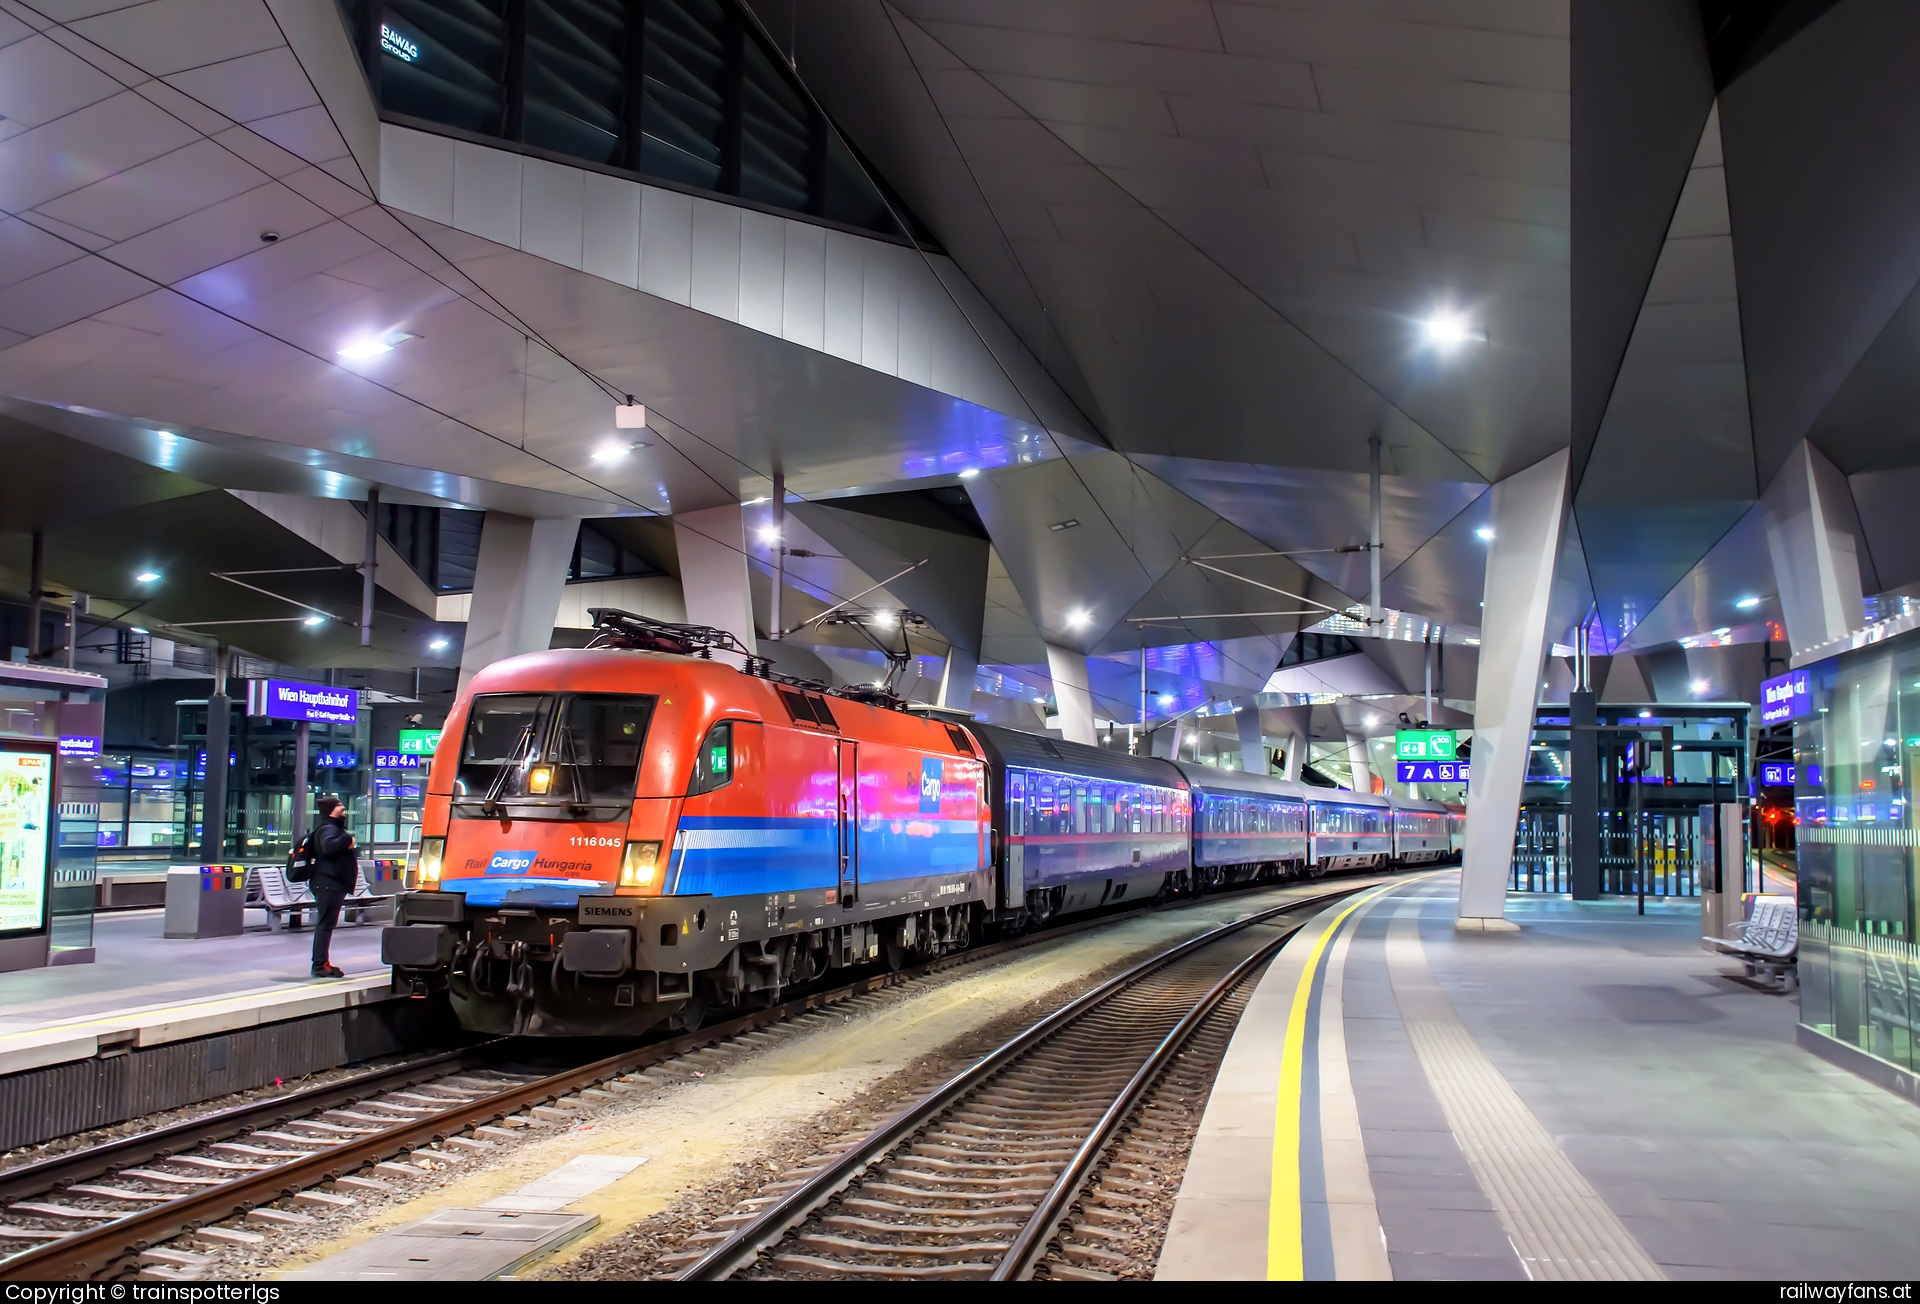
<point>1855,757</point>
<point>777,136</point>
<point>683,110</point>
<point>576,77</point>
<point>446,61</point>
<point>684,91</point>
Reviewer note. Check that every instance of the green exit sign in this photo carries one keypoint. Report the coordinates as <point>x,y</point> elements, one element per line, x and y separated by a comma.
<point>1423,744</point>
<point>421,742</point>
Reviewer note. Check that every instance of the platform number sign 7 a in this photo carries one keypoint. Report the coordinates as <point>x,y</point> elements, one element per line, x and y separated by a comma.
<point>1423,745</point>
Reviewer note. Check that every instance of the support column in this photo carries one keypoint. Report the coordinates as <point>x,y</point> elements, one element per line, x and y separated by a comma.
<point>956,679</point>
<point>1253,744</point>
<point>1816,553</point>
<point>36,581</point>
<point>213,793</point>
<point>712,544</point>
<point>302,752</point>
<point>1583,798</point>
<point>1071,693</point>
<point>517,582</point>
<point>1527,512</point>
<point>1359,763</point>
<point>1297,747</point>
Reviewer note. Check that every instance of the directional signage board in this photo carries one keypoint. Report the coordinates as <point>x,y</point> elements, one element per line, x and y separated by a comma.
<point>1433,771</point>
<point>419,742</point>
<point>1787,697</point>
<point>1423,745</point>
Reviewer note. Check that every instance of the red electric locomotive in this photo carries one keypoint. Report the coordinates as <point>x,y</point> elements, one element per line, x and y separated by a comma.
<point>631,834</point>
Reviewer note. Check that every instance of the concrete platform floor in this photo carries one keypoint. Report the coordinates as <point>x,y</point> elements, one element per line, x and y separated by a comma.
<point>1593,1096</point>
<point>148,988</point>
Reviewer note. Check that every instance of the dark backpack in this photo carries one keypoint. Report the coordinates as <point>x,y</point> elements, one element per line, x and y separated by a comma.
<point>300,863</point>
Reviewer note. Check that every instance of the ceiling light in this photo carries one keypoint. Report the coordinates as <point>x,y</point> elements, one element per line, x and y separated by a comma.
<point>1067,524</point>
<point>438,645</point>
<point>1700,686</point>
<point>769,535</point>
<point>315,620</point>
<point>969,473</point>
<point>884,619</point>
<point>1041,701</point>
<point>755,502</point>
<point>1472,642</point>
<point>135,629</point>
<point>1747,604</point>
<point>148,577</point>
<point>1646,715</point>
<point>1484,532</point>
<point>1166,699</point>
<point>1078,619</point>
<point>1449,328</point>
<point>372,346</point>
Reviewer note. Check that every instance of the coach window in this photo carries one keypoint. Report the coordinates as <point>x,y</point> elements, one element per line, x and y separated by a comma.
<point>713,765</point>
<point>1017,803</point>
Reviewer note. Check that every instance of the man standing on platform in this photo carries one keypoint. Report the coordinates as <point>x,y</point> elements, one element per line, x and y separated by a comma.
<point>336,871</point>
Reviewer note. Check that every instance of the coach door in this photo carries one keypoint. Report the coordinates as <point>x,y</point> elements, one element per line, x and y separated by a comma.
<point>849,822</point>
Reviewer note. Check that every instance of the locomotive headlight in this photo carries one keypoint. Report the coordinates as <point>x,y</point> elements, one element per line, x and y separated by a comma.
<point>539,779</point>
<point>432,852</point>
<point>639,866</point>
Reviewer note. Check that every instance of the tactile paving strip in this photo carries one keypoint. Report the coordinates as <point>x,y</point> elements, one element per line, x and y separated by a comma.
<point>1560,1227</point>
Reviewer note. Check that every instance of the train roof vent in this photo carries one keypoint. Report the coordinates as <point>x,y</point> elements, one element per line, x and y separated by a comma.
<point>807,708</point>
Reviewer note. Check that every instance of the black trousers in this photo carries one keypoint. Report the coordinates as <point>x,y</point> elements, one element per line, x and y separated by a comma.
<point>327,900</point>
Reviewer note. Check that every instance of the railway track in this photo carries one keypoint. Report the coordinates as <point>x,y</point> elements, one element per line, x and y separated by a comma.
<point>977,1178</point>
<point>101,1212</point>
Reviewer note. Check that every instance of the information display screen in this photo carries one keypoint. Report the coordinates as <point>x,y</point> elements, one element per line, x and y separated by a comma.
<point>26,809</point>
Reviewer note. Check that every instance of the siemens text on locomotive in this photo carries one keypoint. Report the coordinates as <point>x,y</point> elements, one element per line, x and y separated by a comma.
<point>632,834</point>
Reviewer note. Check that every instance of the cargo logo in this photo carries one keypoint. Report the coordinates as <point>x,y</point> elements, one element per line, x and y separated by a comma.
<point>930,774</point>
<point>511,862</point>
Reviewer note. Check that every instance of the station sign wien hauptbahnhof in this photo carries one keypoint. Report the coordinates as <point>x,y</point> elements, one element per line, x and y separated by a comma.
<point>286,699</point>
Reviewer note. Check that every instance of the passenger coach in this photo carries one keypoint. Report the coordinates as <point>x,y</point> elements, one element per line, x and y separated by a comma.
<point>633,834</point>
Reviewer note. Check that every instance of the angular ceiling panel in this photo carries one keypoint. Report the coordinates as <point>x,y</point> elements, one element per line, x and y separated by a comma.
<point>1671,468</point>
<point>1642,86</point>
<point>1823,177</point>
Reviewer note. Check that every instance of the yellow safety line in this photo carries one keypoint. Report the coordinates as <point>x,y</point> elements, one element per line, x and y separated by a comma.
<point>1286,1256</point>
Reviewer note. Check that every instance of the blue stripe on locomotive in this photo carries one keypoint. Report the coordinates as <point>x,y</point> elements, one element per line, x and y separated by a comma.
<point>722,855</point>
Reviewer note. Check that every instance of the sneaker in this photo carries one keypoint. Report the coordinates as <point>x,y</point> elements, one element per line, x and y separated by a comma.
<point>329,971</point>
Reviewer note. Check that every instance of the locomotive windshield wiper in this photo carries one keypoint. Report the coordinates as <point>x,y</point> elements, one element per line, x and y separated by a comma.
<point>570,751</point>
<point>490,804</point>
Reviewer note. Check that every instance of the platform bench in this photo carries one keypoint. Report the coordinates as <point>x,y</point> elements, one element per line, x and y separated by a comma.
<point>1768,942</point>
<point>269,889</point>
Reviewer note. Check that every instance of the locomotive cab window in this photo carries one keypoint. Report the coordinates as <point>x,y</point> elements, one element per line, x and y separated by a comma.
<point>551,757</point>
<point>713,764</point>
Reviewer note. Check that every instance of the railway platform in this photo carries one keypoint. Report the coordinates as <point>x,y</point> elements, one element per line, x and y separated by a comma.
<point>146,990</point>
<point>1591,1097</point>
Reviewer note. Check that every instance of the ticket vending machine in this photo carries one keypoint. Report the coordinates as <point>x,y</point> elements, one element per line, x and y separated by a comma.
<point>1722,868</point>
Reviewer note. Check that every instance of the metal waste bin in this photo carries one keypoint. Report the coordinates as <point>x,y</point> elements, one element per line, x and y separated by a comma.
<point>206,900</point>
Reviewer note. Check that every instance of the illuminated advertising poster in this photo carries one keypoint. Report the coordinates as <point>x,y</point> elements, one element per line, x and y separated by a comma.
<point>26,808</point>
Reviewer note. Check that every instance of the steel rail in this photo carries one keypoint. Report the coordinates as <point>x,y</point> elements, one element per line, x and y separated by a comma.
<point>745,1244</point>
<point>94,1251</point>
<point>1030,1243</point>
<point>42,1175</point>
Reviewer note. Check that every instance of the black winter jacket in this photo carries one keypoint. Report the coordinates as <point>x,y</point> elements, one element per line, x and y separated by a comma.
<point>335,863</point>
